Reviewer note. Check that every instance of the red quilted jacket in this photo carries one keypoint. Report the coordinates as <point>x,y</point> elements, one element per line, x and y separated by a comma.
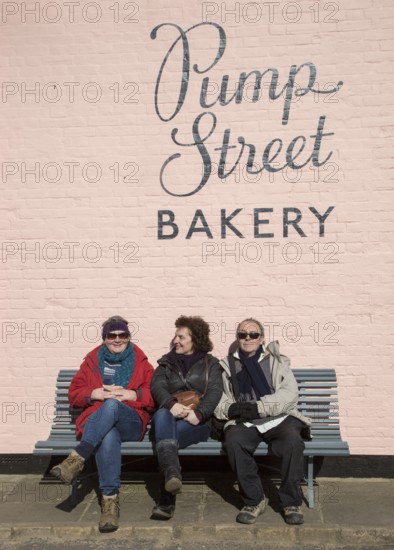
<point>89,378</point>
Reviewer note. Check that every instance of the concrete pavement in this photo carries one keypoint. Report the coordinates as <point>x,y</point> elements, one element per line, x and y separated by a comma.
<point>349,513</point>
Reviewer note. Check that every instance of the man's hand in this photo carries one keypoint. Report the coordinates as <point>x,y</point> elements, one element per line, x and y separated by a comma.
<point>243,411</point>
<point>234,410</point>
<point>249,411</point>
<point>179,411</point>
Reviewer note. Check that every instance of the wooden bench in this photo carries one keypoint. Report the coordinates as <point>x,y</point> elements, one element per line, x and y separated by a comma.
<point>317,399</point>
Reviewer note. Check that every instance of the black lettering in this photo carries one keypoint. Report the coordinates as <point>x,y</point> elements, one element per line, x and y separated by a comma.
<point>199,216</point>
<point>161,223</point>
<point>199,143</point>
<point>226,222</point>
<point>321,217</point>
<point>185,75</point>
<point>294,223</point>
<point>318,139</point>
<point>258,221</point>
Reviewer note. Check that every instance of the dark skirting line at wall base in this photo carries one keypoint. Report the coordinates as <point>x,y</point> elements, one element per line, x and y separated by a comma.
<point>362,466</point>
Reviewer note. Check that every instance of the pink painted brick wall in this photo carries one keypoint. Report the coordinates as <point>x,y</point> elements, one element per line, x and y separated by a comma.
<point>81,153</point>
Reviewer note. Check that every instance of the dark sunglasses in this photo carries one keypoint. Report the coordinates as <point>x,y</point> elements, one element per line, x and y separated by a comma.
<point>252,335</point>
<point>121,336</point>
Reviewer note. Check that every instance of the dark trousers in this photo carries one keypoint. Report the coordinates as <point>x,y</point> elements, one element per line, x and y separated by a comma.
<point>284,441</point>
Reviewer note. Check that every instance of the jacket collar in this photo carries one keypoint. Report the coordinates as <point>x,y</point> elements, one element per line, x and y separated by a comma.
<point>262,355</point>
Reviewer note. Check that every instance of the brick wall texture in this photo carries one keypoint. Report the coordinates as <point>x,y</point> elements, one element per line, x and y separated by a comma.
<point>114,203</point>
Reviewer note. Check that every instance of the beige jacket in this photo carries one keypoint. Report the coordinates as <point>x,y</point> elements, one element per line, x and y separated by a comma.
<point>284,399</point>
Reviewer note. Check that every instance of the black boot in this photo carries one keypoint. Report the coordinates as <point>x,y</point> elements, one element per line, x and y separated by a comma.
<point>165,508</point>
<point>167,455</point>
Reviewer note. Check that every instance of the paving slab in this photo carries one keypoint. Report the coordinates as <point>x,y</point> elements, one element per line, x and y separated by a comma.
<point>359,506</point>
<point>349,513</point>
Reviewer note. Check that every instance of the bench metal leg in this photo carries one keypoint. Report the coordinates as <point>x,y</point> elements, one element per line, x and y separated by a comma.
<point>74,488</point>
<point>311,500</point>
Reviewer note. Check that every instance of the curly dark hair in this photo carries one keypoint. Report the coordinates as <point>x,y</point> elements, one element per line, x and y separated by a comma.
<point>199,330</point>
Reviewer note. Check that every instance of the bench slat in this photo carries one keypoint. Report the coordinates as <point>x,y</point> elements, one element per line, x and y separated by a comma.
<point>317,446</point>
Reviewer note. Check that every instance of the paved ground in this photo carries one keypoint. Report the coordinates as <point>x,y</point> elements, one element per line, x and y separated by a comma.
<point>349,513</point>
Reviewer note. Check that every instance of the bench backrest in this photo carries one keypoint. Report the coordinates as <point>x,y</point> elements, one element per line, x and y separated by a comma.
<point>318,399</point>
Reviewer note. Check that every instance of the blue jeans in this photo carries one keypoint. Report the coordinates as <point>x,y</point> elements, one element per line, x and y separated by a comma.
<point>105,429</point>
<point>166,426</point>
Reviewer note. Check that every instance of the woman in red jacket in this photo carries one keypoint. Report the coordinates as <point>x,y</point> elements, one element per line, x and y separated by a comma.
<point>113,388</point>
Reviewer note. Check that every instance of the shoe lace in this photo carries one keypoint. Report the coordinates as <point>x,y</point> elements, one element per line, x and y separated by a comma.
<point>75,461</point>
<point>249,508</point>
<point>292,509</point>
<point>110,505</point>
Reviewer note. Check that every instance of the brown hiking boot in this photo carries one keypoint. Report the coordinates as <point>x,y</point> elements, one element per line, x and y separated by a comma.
<point>109,520</point>
<point>69,469</point>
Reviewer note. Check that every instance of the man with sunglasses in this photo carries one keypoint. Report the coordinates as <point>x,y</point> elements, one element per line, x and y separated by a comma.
<point>260,404</point>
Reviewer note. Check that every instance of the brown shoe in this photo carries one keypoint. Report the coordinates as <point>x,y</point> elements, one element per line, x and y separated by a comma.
<point>293,515</point>
<point>69,469</point>
<point>249,514</point>
<point>161,512</point>
<point>109,520</point>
